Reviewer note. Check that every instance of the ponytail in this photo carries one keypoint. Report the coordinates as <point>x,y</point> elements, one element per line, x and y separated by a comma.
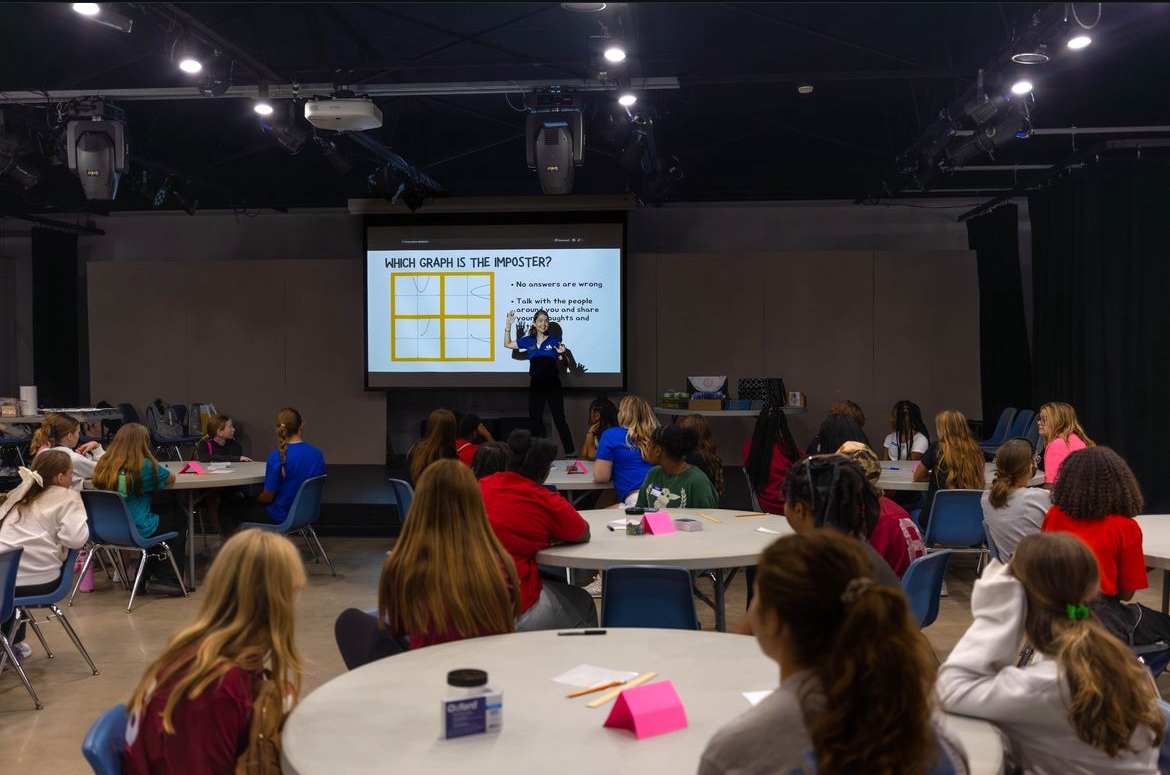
<point>54,428</point>
<point>288,423</point>
<point>1013,463</point>
<point>34,481</point>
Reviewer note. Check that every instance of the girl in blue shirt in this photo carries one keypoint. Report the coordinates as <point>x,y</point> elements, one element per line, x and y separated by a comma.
<point>288,466</point>
<point>544,351</point>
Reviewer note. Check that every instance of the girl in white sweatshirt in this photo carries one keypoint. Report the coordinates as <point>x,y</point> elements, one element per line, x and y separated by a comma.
<point>47,518</point>
<point>1083,705</point>
<point>62,432</point>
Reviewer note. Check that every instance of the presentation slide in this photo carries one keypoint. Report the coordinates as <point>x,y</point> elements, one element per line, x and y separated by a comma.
<point>438,298</point>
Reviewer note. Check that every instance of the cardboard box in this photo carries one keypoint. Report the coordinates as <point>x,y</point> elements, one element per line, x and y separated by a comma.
<point>705,404</point>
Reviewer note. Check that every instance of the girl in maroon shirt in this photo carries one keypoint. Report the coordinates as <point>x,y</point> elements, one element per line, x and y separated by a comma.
<point>767,457</point>
<point>191,712</point>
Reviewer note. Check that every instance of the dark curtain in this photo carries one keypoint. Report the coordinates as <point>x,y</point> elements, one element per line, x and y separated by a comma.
<point>1005,364</point>
<point>59,320</point>
<point>1101,270</point>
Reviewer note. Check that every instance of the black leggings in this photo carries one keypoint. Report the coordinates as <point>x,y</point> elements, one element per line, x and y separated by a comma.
<point>542,392</point>
<point>28,590</point>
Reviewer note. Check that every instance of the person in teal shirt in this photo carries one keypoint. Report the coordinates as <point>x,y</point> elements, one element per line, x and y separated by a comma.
<point>129,468</point>
<point>673,483</point>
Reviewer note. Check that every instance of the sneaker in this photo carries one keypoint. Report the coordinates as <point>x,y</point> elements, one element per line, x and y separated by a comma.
<point>22,651</point>
<point>943,592</point>
<point>594,587</point>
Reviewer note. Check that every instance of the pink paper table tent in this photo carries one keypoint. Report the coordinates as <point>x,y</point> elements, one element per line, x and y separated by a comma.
<point>192,468</point>
<point>658,523</point>
<point>648,710</point>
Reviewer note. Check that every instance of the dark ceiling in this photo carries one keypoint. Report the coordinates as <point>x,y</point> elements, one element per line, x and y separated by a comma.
<point>735,128</point>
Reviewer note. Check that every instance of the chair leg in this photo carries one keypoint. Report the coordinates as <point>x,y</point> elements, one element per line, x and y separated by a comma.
<point>175,568</point>
<point>22,614</point>
<point>138,580</point>
<point>73,636</point>
<point>328,562</point>
<point>10,657</point>
<point>312,551</point>
<point>119,564</point>
<point>80,576</point>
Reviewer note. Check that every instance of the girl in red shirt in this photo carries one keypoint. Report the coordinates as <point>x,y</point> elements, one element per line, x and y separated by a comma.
<point>1096,498</point>
<point>768,456</point>
<point>191,713</point>
<point>448,577</point>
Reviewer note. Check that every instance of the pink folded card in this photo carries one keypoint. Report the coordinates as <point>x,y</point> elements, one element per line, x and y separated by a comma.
<point>577,467</point>
<point>192,468</point>
<point>658,523</point>
<point>648,710</point>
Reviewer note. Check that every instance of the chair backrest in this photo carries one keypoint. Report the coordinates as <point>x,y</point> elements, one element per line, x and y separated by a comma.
<point>109,518</point>
<point>63,586</point>
<point>1020,424</point>
<point>360,640</point>
<point>992,549</point>
<point>648,596</point>
<point>403,497</point>
<point>105,741</point>
<point>923,584</point>
<point>1032,431</point>
<point>751,490</point>
<point>129,413</point>
<point>1002,425</point>
<point>306,506</point>
<point>956,519</point>
<point>9,564</point>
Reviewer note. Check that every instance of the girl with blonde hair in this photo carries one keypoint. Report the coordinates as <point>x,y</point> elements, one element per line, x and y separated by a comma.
<point>193,709</point>
<point>856,690</point>
<point>62,432</point>
<point>438,444</point>
<point>1062,434</point>
<point>954,462</point>
<point>130,468</point>
<point>623,452</point>
<point>449,577</point>
<point>1082,703</point>
<point>288,466</point>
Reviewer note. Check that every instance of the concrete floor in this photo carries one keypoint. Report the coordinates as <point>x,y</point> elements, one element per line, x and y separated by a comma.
<point>49,740</point>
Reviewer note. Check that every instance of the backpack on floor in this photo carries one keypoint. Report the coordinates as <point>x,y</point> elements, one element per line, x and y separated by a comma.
<point>161,420</point>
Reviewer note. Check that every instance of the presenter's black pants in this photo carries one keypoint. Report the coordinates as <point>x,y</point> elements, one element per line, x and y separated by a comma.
<point>541,392</point>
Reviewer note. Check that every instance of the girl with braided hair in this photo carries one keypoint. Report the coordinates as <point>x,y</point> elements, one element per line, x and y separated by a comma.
<point>910,438</point>
<point>1079,703</point>
<point>292,462</point>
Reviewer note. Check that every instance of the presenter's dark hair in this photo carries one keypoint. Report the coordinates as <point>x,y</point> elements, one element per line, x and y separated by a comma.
<point>531,457</point>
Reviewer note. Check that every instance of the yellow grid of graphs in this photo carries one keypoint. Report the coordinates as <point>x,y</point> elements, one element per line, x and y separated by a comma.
<point>442,317</point>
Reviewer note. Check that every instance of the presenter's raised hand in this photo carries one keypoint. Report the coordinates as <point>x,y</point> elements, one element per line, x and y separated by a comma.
<point>511,318</point>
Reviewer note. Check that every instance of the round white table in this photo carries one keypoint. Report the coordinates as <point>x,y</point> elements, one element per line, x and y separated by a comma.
<point>676,413</point>
<point>197,485</point>
<point>384,717</point>
<point>577,484</point>
<point>899,475</point>
<point>1156,545</point>
<point>83,415</point>
<point>732,542</point>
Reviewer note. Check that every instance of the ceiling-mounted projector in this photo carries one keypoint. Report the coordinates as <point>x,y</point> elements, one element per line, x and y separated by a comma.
<point>343,114</point>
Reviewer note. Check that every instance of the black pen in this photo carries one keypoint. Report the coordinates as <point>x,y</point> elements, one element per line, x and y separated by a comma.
<point>583,632</point>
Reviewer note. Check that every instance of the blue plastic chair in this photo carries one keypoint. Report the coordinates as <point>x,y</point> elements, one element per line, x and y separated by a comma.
<point>648,596</point>
<point>9,563</point>
<point>1020,424</point>
<point>403,497</point>
<point>956,522</point>
<point>923,582</point>
<point>306,507</point>
<point>49,600</point>
<point>112,528</point>
<point>992,549</point>
<point>105,741</point>
<point>1000,434</point>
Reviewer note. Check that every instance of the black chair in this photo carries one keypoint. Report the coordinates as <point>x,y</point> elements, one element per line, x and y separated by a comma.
<point>361,641</point>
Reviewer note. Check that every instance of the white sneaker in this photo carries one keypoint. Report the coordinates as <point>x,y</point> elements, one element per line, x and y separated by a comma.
<point>594,587</point>
<point>943,592</point>
<point>22,651</point>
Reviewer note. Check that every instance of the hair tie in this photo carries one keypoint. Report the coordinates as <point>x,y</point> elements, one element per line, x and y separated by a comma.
<point>28,475</point>
<point>1077,612</point>
<point>855,588</point>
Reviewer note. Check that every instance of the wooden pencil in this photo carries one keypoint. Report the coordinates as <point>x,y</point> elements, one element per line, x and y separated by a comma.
<point>610,695</point>
<point>753,514</point>
<point>592,689</point>
<point>709,518</point>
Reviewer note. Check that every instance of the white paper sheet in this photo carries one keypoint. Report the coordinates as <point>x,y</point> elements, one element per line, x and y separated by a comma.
<point>585,676</point>
<point>755,698</point>
<point>619,524</point>
<point>769,531</point>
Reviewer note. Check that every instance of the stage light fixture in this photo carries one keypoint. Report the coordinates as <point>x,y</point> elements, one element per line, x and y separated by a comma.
<point>185,55</point>
<point>614,52</point>
<point>1021,87</point>
<point>104,16</point>
<point>217,76</point>
<point>584,7</point>
<point>1079,41</point>
<point>285,130</point>
<point>804,88</point>
<point>335,156</point>
<point>87,9</point>
<point>627,99</point>
<point>262,105</point>
<point>95,147</point>
<point>1032,55</point>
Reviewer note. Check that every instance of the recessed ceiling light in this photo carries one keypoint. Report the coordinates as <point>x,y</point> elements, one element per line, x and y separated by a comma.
<point>87,9</point>
<point>615,53</point>
<point>627,99</point>
<point>584,7</point>
<point>1021,87</point>
<point>1079,41</point>
<point>190,65</point>
<point>804,88</point>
